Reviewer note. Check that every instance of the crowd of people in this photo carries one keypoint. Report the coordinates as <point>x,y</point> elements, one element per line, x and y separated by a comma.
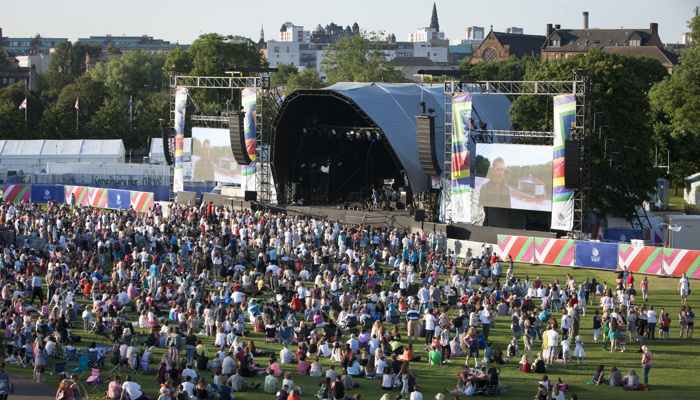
<point>327,289</point>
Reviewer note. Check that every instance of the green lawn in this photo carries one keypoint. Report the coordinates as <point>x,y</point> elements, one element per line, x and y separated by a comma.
<point>671,375</point>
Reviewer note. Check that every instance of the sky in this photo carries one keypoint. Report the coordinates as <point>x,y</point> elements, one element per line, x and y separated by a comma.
<point>183,21</point>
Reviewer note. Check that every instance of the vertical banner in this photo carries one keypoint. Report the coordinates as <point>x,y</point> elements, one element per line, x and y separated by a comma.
<point>178,171</point>
<point>461,178</point>
<point>562,198</point>
<point>248,100</point>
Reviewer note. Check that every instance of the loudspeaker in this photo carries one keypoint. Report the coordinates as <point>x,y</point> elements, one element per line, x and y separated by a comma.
<point>237,135</point>
<point>419,215</point>
<point>166,145</point>
<point>572,164</point>
<point>250,195</point>
<point>425,131</point>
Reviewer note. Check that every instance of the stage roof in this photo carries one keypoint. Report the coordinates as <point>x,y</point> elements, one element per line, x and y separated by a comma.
<point>394,106</point>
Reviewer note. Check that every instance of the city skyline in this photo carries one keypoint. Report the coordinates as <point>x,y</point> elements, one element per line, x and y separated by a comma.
<point>154,18</point>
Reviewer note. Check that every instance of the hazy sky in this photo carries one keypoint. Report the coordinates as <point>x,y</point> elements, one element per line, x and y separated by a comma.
<point>183,21</point>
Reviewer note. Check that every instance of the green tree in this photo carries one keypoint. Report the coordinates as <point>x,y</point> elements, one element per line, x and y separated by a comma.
<point>212,56</point>
<point>509,69</point>
<point>68,63</point>
<point>676,101</point>
<point>58,121</point>
<point>179,60</point>
<point>359,57</point>
<point>113,49</point>
<point>146,124</point>
<point>136,74</point>
<point>110,121</point>
<point>12,123</point>
<point>284,73</point>
<point>620,87</point>
<point>307,79</point>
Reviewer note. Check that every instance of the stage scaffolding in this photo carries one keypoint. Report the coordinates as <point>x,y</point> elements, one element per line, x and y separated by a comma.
<point>267,104</point>
<point>591,128</point>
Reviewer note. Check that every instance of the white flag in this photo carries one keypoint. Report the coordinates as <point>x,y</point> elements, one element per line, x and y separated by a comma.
<point>23,105</point>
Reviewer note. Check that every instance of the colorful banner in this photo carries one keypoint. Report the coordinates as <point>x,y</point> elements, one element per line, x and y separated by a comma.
<point>596,255</point>
<point>640,259</point>
<point>142,201</point>
<point>519,247</point>
<point>461,177</point>
<point>555,252</point>
<point>13,193</point>
<point>248,100</point>
<point>562,198</point>
<point>178,168</point>
<point>80,192</point>
<point>97,197</point>
<point>677,262</point>
<point>597,232</point>
<point>656,236</point>
<point>118,199</point>
<point>46,193</point>
<point>622,235</point>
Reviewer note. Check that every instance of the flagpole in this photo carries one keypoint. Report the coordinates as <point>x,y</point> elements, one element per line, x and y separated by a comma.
<point>77,111</point>
<point>131,117</point>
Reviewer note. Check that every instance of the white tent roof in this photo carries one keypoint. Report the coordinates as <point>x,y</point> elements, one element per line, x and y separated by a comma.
<point>78,148</point>
<point>157,154</point>
<point>394,106</point>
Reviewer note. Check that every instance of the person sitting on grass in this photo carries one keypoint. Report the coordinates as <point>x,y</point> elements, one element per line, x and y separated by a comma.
<point>270,382</point>
<point>599,377</point>
<point>631,380</point>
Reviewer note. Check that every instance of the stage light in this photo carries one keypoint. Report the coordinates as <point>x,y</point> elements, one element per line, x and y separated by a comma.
<point>369,135</point>
<point>304,130</point>
<point>473,124</point>
<point>339,163</point>
<point>303,165</point>
<point>515,126</point>
<point>333,131</point>
<point>431,110</point>
<point>313,165</point>
<point>482,126</point>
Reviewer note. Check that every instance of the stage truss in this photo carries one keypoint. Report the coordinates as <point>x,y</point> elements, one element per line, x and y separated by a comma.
<point>266,103</point>
<point>591,127</point>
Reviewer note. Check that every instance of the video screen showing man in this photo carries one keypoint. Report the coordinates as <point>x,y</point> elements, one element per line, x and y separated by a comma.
<point>495,192</point>
<point>204,168</point>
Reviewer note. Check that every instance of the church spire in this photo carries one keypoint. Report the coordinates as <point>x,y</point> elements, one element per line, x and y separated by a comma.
<point>262,33</point>
<point>434,19</point>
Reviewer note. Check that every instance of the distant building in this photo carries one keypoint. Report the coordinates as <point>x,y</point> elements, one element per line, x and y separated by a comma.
<point>475,33</point>
<point>500,45</point>
<point>409,66</point>
<point>41,61</point>
<point>293,33</point>
<point>13,74</point>
<point>29,46</point>
<point>667,58</point>
<point>514,30</point>
<point>332,32</point>
<point>685,38</point>
<point>430,33</point>
<point>133,43</point>
<point>460,52</point>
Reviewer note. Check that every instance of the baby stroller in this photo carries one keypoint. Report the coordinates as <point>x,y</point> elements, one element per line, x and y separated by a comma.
<point>490,385</point>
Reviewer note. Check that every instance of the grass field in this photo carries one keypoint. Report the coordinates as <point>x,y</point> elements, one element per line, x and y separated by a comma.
<point>673,372</point>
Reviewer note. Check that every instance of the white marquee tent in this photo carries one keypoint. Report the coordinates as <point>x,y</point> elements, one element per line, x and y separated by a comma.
<point>30,156</point>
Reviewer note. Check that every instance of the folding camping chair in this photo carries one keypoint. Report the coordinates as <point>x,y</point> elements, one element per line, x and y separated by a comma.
<point>58,369</point>
<point>82,366</point>
<point>95,381</point>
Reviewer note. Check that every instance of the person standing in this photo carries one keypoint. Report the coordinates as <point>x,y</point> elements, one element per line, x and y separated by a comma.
<point>36,289</point>
<point>646,363</point>
<point>684,288</point>
<point>412,317</point>
<point>429,320</point>
<point>5,382</point>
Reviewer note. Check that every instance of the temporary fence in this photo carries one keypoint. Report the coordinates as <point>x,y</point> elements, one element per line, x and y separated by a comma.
<point>81,195</point>
<point>600,255</point>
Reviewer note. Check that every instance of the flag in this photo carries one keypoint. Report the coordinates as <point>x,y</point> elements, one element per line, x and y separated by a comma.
<point>23,105</point>
<point>129,102</point>
<point>76,104</point>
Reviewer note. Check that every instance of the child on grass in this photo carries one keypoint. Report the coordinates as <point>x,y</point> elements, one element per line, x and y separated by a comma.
<point>596,326</point>
<point>578,352</point>
<point>666,326</point>
<point>566,349</point>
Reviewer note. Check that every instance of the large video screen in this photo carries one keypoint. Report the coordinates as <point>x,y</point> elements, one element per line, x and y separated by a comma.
<point>513,176</point>
<point>212,158</point>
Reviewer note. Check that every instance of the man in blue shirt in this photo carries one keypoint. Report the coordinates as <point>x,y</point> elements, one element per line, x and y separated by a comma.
<point>412,317</point>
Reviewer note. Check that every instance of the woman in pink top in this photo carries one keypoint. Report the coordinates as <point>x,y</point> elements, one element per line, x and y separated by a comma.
<point>646,363</point>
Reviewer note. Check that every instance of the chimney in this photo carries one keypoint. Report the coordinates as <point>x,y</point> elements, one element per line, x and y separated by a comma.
<point>557,27</point>
<point>549,30</point>
<point>654,27</point>
<point>585,20</point>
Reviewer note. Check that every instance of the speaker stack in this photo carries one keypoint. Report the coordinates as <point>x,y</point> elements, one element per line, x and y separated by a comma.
<point>165,131</point>
<point>425,130</point>
<point>237,135</point>
<point>572,164</point>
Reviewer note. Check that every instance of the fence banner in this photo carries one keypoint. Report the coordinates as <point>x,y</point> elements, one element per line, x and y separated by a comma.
<point>142,201</point>
<point>12,193</point>
<point>248,101</point>
<point>562,198</point>
<point>676,262</point>
<point>623,235</point>
<point>521,248</point>
<point>597,232</point>
<point>118,199</point>
<point>641,259</point>
<point>554,252</point>
<point>461,174</point>
<point>80,192</point>
<point>97,197</point>
<point>178,165</point>
<point>596,255</point>
<point>46,193</point>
